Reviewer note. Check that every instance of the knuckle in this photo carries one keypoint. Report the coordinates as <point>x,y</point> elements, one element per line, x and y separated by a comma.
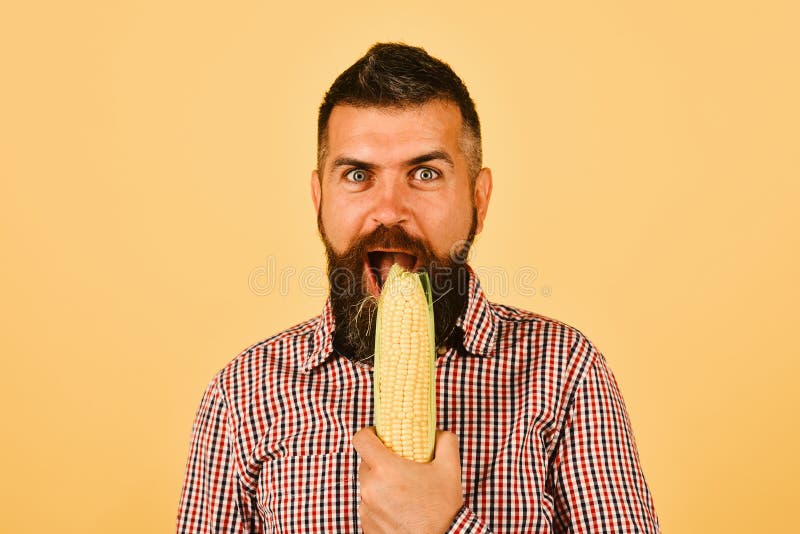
<point>366,495</point>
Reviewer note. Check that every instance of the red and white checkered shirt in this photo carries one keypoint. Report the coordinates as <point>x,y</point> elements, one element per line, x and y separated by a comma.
<point>546,443</point>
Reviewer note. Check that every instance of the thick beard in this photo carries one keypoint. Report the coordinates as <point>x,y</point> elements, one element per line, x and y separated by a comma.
<point>355,308</point>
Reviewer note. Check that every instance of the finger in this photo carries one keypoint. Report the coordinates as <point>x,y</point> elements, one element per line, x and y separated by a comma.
<point>368,446</point>
<point>364,474</point>
<point>447,448</point>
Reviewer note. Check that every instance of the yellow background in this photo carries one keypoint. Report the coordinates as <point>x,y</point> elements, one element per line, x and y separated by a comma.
<point>155,158</point>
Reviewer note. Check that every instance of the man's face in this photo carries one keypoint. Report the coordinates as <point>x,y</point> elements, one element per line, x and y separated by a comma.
<point>395,188</point>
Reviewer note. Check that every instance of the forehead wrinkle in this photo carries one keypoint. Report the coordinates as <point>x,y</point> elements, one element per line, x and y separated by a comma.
<point>437,154</point>
<point>346,128</point>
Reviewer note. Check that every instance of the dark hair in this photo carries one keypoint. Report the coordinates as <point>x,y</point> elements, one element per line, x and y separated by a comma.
<point>399,75</point>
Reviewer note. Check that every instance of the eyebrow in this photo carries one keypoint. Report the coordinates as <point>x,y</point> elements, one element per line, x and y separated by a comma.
<point>433,155</point>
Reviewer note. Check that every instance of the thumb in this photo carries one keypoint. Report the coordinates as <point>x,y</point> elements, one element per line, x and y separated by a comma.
<point>447,448</point>
<point>368,446</point>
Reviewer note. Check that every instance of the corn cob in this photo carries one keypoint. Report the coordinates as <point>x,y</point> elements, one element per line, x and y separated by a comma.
<point>405,366</point>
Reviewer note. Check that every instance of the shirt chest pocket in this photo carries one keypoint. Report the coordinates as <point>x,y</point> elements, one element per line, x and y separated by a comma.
<point>310,493</point>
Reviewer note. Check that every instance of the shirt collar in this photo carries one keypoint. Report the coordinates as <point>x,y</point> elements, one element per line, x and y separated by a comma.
<point>477,323</point>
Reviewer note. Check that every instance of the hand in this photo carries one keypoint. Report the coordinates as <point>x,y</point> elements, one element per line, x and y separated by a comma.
<point>399,495</point>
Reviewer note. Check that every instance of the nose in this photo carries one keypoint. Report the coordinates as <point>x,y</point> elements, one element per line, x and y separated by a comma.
<point>391,204</point>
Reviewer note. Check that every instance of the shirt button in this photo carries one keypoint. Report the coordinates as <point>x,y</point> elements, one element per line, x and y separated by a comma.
<point>441,350</point>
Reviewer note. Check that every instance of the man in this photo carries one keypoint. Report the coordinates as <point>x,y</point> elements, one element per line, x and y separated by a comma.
<point>534,436</point>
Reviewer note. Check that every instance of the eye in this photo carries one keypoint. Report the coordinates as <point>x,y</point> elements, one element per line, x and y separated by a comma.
<point>425,174</point>
<point>357,175</point>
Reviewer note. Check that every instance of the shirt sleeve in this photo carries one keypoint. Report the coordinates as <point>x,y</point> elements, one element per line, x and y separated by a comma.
<point>213,499</point>
<point>466,522</point>
<point>598,482</point>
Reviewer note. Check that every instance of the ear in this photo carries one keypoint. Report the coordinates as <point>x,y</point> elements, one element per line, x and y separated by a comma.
<point>483,193</point>
<point>316,192</point>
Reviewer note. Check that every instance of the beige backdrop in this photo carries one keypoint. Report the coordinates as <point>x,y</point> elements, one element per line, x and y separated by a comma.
<point>156,220</point>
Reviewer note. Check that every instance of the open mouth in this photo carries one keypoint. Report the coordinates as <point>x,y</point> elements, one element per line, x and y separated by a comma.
<point>379,262</point>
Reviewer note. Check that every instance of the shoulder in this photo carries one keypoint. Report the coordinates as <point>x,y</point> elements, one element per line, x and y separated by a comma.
<point>512,320</point>
<point>248,372</point>
<point>556,353</point>
<point>551,341</point>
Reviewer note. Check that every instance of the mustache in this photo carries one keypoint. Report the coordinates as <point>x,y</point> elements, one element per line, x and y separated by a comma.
<point>387,237</point>
<point>346,271</point>
<point>347,275</point>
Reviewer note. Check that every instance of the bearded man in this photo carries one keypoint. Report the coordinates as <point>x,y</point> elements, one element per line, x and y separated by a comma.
<point>533,432</point>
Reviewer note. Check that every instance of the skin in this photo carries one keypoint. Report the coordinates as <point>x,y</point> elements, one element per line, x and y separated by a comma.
<point>389,166</point>
<point>435,206</point>
<point>399,495</point>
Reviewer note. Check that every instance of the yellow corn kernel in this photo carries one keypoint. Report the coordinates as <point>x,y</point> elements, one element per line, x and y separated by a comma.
<point>405,366</point>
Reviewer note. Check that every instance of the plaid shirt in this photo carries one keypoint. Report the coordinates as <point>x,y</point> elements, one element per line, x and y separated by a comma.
<point>545,440</point>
